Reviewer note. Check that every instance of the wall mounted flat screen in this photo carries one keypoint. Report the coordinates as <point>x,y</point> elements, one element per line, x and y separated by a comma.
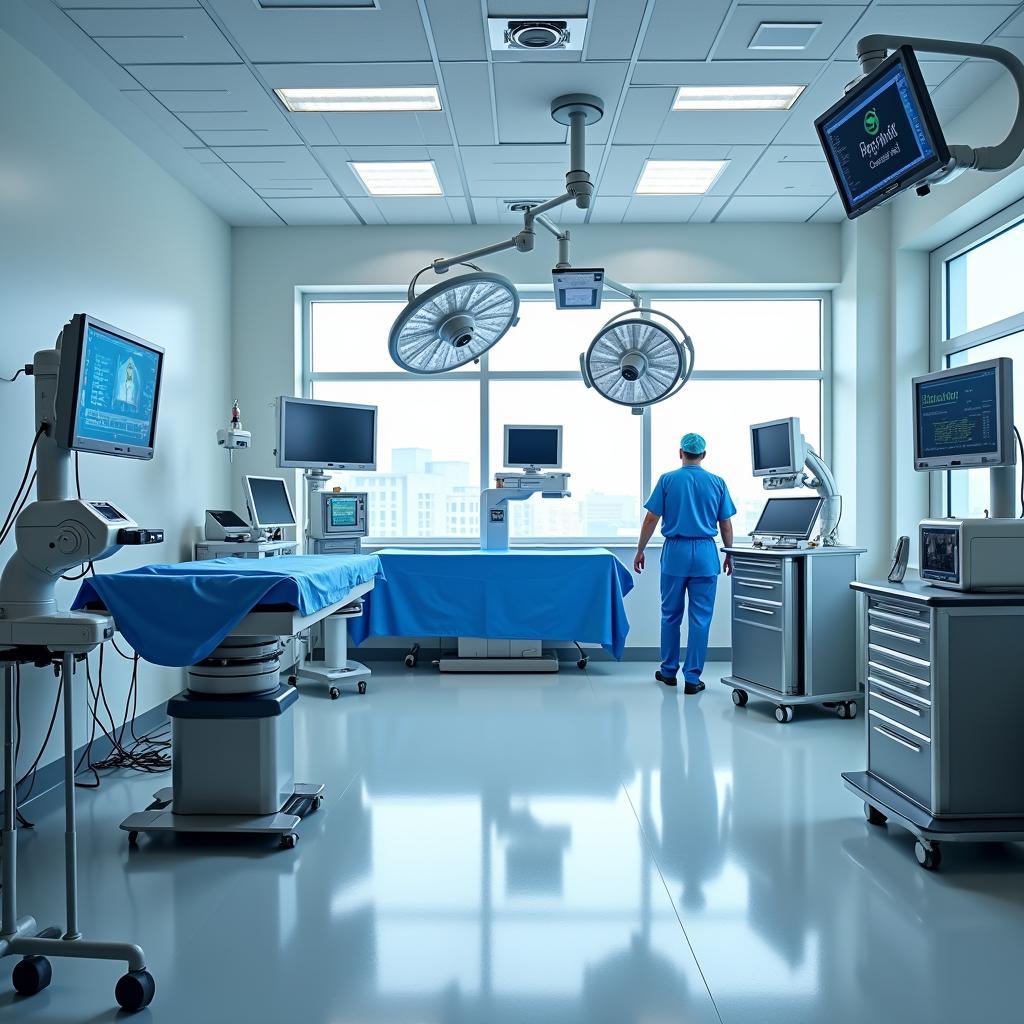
<point>313,434</point>
<point>108,390</point>
<point>883,136</point>
<point>963,418</point>
<point>788,517</point>
<point>533,447</point>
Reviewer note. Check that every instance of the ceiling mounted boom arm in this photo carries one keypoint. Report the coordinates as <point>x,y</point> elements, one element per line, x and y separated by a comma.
<point>872,50</point>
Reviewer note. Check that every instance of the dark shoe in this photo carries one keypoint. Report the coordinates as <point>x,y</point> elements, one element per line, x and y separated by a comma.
<point>692,688</point>
<point>667,680</point>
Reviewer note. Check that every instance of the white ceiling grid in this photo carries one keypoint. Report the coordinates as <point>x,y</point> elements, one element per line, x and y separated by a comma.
<point>204,71</point>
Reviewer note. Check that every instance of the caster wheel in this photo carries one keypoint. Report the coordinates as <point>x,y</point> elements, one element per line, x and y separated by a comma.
<point>783,714</point>
<point>929,856</point>
<point>740,698</point>
<point>293,680</point>
<point>843,710</point>
<point>874,815</point>
<point>334,693</point>
<point>362,686</point>
<point>314,804</point>
<point>851,709</point>
<point>31,974</point>
<point>582,663</point>
<point>135,990</point>
<point>288,840</point>
<point>410,661</point>
<point>133,839</point>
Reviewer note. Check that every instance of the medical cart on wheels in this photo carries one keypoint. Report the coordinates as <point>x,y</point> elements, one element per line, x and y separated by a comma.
<point>944,708</point>
<point>794,625</point>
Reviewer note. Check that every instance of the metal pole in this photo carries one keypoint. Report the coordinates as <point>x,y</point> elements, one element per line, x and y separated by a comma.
<point>9,926</point>
<point>633,296</point>
<point>440,266</point>
<point>535,211</point>
<point>578,140</point>
<point>1002,486</point>
<point>70,839</point>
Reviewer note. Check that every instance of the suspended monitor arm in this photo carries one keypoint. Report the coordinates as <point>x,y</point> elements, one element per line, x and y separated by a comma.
<point>825,484</point>
<point>872,50</point>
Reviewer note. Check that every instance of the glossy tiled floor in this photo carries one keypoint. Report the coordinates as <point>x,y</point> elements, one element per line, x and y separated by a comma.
<point>583,849</point>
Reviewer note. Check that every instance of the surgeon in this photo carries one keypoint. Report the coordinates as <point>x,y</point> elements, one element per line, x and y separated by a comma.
<point>692,505</point>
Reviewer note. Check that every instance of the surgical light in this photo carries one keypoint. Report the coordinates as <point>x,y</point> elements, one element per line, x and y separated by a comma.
<point>737,97</point>
<point>454,322</point>
<point>399,98</point>
<point>678,177</point>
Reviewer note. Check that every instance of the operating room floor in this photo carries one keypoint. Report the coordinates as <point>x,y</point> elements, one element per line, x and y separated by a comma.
<point>588,848</point>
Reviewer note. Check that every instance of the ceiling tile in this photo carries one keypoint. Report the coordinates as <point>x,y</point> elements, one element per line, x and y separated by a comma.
<point>748,126</point>
<point>357,129</point>
<point>525,91</point>
<point>751,209</point>
<point>340,75</point>
<point>965,85</point>
<point>538,8</point>
<point>278,170</point>
<point>457,29</point>
<point>313,211</point>
<point>172,36</point>
<point>519,172</point>
<point>367,209</point>
<point>644,112</point>
<point>111,4</point>
<point>613,28</point>
<point>609,209</point>
<point>661,209</point>
<point>836,22</point>
<point>789,171</point>
<point>393,32</point>
<point>485,210</point>
<point>708,209</point>
<point>967,23</point>
<point>683,31</point>
<point>415,210</point>
<point>831,213</point>
<point>468,94</point>
<point>163,117</point>
<point>726,72</point>
<point>626,163</point>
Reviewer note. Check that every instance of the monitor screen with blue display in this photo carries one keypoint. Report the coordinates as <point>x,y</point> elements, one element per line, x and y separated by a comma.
<point>533,447</point>
<point>883,136</point>
<point>108,390</point>
<point>963,418</point>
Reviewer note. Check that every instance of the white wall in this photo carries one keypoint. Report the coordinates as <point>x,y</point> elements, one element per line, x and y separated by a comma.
<point>88,223</point>
<point>271,264</point>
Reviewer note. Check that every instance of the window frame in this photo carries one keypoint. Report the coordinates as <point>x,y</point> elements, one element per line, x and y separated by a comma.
<point>484,376</point>
<point>943,347</point>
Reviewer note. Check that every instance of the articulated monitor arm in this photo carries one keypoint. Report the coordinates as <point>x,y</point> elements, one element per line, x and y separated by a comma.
<point>825,484</point>
<point>872,50</point>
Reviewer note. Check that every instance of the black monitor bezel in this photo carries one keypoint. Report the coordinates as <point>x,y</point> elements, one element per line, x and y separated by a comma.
<point>286,401</point>
<point>903,55</point>
<point>66,406</point>
<point>790,534</point>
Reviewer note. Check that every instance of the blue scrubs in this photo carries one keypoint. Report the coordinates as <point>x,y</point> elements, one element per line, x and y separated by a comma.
<point>691,503</point>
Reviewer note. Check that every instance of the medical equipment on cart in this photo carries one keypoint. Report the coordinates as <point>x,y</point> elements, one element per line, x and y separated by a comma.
<point>779,453</point>
<point>318,436</point>
<point>531,448</point>
<point>232,734</point>
<point>225,524</point>
<point>973,554</point>
<point>787,522</point>
<point>97,391</point>
<point>884,136</point>
<point>233,436</point>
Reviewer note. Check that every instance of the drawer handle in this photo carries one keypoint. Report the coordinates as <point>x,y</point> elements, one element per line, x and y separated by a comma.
<point>875,681</point>
<point>896,703</point>
<point>898,674</point>
<point>900,726</point>
<point>896,739</point>
<point>899,636</point>
<point>901,619</point>
<point>899,655</point>
<point>895,609</point>
<point>759,611</point>
<point>756,586</point>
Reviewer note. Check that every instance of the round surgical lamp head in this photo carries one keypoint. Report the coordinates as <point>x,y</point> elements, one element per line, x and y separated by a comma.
<point>638,358</point>
<point>454,322</point>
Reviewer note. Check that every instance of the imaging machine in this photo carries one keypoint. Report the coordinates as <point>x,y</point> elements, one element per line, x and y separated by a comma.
<point>317,437</point>
<point>97,391</point>
<point>794,620</point>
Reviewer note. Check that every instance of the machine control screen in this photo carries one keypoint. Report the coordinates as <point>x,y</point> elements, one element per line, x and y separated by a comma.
<point>108,511</point>
<point>772,447</point>
<point>272,505</point>
<point>117,394</point>
<point>958,415</point>
<point>940,554</point>
<point>788,517</point>
<point>883,136</point>
<point>533,446</point>
<point>343,512</point>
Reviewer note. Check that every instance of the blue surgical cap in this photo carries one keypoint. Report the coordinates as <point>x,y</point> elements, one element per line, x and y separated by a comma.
<point>693,444</point>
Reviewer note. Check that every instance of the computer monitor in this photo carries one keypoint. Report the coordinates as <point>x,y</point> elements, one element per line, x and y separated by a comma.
<point>270,505</point>
<point>108,390</point>
<point>883,136</point>
<point>313,434</point>
<point>777,447</point>
<point>339,514</point>
<point>963,418</point>
<point>533,447</point>
<point>793,518</point>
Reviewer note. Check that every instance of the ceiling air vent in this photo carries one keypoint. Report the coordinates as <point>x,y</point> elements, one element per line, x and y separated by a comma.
<point>536,35</point>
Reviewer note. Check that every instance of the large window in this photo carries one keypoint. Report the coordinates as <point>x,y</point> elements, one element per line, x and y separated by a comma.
<point>982,317</point>
<point>440,439</point>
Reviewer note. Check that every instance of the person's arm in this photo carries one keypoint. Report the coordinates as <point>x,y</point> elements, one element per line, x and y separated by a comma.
<point>647,528</point>
<point>725,525</point>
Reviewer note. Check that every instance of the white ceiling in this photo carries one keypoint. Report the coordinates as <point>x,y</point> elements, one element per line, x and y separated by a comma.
<point>203,73</point>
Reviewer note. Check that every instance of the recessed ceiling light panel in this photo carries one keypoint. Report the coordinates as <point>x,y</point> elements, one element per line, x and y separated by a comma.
<point>414,98</point>
<point>678,177</point>
<point>737,97</point>
<point>398,177</point>
<point>784,35</point>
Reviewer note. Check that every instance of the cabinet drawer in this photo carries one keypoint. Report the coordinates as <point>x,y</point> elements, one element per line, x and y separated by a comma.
<point>901,614</point>
<point>900,758</point>
<point>910,640</point>
<point>760,610</point>
<point>748,585</point>
<point>901,705</point>
<point>759,654</point>
<point>908,666</point>
<point>757,568</point>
